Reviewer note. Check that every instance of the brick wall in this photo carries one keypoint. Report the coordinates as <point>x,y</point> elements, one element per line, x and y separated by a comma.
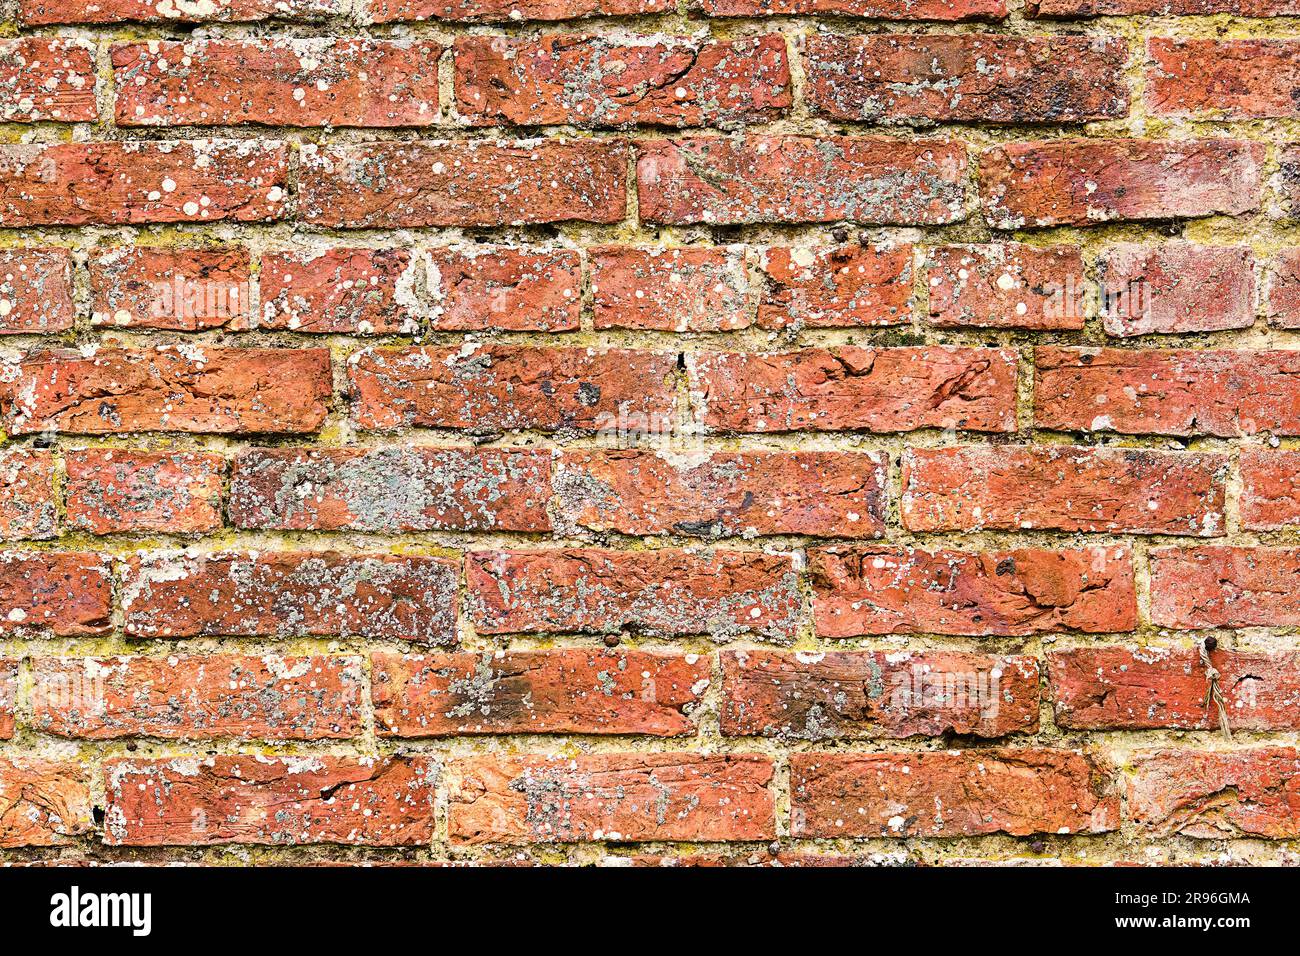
<point>649,430</point>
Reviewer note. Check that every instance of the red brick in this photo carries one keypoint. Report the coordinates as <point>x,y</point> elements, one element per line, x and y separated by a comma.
<point>158,11</point>
<point>794,179</point>
<point>1006,286</point>
<point>508,11</point>
<point>394,185</point>
<point>723,594</point>
<point>27,507</point>
<point>391,490</point>
<point>1079,182</point>
<point>184,289</point>
<point>537,692</point>
<point>197,697</point>
<point>69,594</point>
<point>721,494</point>
<point>1225,587</point>
<point>623,797</point>
<point>357,291</point>
<point>1168,391</point>
<point>509,387</point>
<point>1283,307</point>
<point>1149,688</point>
<point>1097,8</point>
<point>282,801</point>
<point>1211,796</point>
<point>1017,593</point>
<point>42,802</point>
<point>317,81</point>
<point>820,696</point>
<point>1176,287</point>
<point>134,183</point>
<point>851,388</point>
<point>1270,493</point>
<point>951,794</point>
<point>499,287</point>
<point>112,490</point>
<point>169,388</point>
<point>36,291</point>
<point>590,80</point>
<point>291,593</point>
<point>835,286</point>
<point>673,290</point>
<point>8,692</point>
<point>947,10</point>
<point>1016,487</point>
<point>966,78</point>
<point>1225,79</point>
<point>43,78</point>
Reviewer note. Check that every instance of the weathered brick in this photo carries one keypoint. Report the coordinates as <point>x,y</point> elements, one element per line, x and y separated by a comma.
<point>1270,489</point>
<point>723,180</point>
<point>1225,587</point>
<point>835,286</point>
<point>198,696</point>
<point>1014,487</point>
<point>1098,8</point>
<point>289,593</point>
<point>1168,391</point>
<point>161,288</point>
<point>357,291</point>
<point>8,693</point>
<point>1283,290</point>
<point>169,388</point>
<point>44,78</point>
<point>158,11</point>
<point>1176,287</point>
<point>721,494</point>
<point>1006,286</point>
<point>36,291</point>
<point>537,692</point>
<point>134,183</point>
<point>851,388</point>
<point>283,801</point>
<point>507,11</point>
<point>391,490</point>
<point>592,80</point>
<point>69,594</point>
<point>950,10</point>
<point>863,591</point>
<point>27,506</point>
<point>497,387</point>
<point>1226,79</point>
<point>1081,182</point>
<point>1148,688</point>
<point>1212,795</point>
<point>674,290</point>
<point>966,78</point>
<point>623,797</point>
<point>394,185</point>
<point>951,793</point>
<point>722,594</point>
<point>299,81</point>
<point>824,696</point>
<point>499,287</point>
<point>42,802</point>
<point>113,490</point>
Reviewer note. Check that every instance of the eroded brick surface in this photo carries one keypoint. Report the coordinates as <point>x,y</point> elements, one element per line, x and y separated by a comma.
<point>36,291</point>
<point>286,593</point>
<point>42,802</point>
<point>27,502</point>
<point>110,491</point>
<point>538,692</point>
<point>825,696</point>
<point>1209,795</point>
<point>611,797</point>
<point>837,286</point>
